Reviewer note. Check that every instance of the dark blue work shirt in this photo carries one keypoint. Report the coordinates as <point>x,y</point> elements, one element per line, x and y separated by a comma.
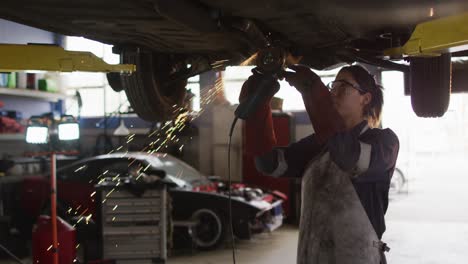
<point>371,186</point>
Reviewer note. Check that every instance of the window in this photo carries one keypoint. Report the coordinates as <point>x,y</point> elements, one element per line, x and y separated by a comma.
<point>193,86</point>
<point>97,96</point>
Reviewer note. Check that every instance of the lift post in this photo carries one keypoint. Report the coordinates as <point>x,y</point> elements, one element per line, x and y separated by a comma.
<point>45,57</point>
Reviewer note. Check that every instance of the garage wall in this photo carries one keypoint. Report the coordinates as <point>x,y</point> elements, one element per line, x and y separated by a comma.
<point>223,115</point>
<point>27,106</point>
<point>14,33</point>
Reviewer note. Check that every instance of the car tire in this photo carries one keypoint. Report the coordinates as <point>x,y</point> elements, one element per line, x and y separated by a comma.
<point>397,182</point>
<point>113,78</point>
<point>430,84</point>
<point>146,88</point>
<point>210,230</point>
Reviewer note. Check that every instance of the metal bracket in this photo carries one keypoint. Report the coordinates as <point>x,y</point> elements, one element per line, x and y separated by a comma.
<point>432,38</point>
<point>16,57</point>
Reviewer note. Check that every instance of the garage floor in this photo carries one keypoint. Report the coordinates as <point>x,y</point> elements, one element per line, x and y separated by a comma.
<point>430,223</point>
<point>277,247</point>
<point>427,225</point>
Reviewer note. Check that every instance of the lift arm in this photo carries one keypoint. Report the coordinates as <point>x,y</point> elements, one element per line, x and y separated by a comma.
<point>15,57</point>
<point>448,34</point>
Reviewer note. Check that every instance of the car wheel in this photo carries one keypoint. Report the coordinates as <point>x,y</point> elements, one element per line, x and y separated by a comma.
<point>397,182</point>
<point>113,78</point>
<point>210,228</point>
<point>150,94</point>
<point>430,86</point>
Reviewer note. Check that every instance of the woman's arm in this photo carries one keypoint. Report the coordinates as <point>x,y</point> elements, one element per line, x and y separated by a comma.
<point>370,157</point>
<point>260,139</point>
<point>383,153</point>
<point>317,100</point>
<point>259,136</point>
<point>289,161</point>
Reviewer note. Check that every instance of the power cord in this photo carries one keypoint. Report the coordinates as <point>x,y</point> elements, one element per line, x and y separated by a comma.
<point>229,192</point>
<point>11,254</point>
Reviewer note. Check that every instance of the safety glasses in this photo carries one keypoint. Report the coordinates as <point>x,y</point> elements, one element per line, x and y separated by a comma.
<point>339,86</point>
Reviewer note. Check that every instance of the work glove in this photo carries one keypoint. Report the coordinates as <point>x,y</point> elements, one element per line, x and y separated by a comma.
<point>249,87</point>
<point>344,150</point>
<point>303,78</point>
<point>259,135</point>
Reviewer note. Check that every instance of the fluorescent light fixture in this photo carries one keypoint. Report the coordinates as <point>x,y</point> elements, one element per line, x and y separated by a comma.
<point>37,134</point>
<point>68,131</point>
<point>122,130</point>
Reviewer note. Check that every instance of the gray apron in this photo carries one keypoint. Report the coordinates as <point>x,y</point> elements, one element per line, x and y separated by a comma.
<point>334,227</point>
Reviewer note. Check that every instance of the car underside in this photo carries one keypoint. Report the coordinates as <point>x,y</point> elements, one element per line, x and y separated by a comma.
<point>163,37</point>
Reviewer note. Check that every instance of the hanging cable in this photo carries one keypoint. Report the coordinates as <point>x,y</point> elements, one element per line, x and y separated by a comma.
<point>229,192</point>
<point>11,254</point>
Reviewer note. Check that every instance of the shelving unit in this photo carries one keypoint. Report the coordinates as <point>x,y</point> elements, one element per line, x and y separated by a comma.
<point>12,136</point>
<point>18,92</point>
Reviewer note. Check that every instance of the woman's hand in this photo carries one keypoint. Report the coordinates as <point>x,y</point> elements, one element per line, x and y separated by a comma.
<point>303,78</point>
<point>255,80</point>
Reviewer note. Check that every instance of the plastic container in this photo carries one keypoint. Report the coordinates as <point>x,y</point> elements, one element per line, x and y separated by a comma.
<point>11,83</point>
<point>31,81</point>
<point>47,85</point>
<point>21,79</point>
<point>42,241</point>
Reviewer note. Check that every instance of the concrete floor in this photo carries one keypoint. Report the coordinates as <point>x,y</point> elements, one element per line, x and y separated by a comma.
<point>426,225</point>
<point>430,224</point>
<point>276,247</point>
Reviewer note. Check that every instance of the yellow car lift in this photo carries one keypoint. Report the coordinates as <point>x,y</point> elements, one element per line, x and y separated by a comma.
<point>432,38</point>
<point>45,57</point>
